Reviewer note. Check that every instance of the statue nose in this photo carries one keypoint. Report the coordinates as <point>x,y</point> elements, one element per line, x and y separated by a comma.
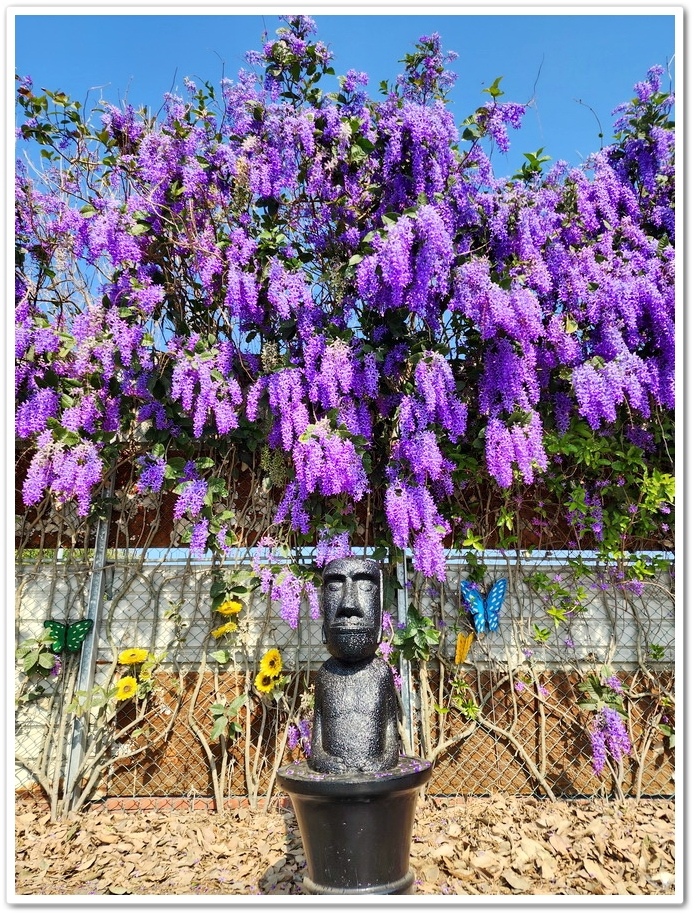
<point>349,600</point>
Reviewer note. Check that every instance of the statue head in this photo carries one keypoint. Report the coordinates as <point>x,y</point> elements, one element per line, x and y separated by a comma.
<point>352,604</point>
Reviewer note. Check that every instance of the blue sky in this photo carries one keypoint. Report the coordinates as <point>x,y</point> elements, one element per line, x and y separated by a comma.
<point>577,67</point>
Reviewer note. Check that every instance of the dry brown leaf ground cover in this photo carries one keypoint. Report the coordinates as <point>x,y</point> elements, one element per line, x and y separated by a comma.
<point>493,846</point>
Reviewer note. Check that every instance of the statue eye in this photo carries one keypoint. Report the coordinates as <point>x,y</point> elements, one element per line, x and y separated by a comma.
<point>366,585</point>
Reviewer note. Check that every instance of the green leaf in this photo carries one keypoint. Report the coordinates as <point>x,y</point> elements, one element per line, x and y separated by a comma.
<point>571,325</point>
<point>174,468</point>
<point>217,589</point>
<point>30,660</point>
<point>541,634</point>
<point>493,90</point>
<point>47,660</point>
<point>219,728</point>
<point>237,704</point>
<point>557,614</point>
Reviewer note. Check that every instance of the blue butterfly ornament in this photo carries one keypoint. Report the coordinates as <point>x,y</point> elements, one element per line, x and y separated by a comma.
<point>485,610</point>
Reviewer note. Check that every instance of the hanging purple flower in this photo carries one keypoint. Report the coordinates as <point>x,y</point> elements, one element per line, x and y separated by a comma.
<point>331,546</point>
<point>152,470</point>
<point>608,736</point>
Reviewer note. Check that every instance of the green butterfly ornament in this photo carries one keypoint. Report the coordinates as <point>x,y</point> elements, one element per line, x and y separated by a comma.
<point>68,637</point>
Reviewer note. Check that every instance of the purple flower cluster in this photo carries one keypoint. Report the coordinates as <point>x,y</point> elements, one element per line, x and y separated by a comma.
<point>331,546</point>
<point>284,586</point>
<point>413,517</point>
<point>191,498</point>
<point>588,516</point>
<point>152,471</point>
<point>515,445</point>
<point>70,473</point>
<point>328,463</point>
<point>385,647</point>
<point>608,736</point>
<point>614,683</point>
<point>410,267</point>
<point>300,735</point>
<point>203,389</point>
<point>287,589</point>
<point>495,118</point>
<point>199,538</point>
<point>419,472</point>
<point>286,398</point>
<point>426,75</point>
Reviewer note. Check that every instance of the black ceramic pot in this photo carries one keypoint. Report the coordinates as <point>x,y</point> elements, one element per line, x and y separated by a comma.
<point>356,828</point>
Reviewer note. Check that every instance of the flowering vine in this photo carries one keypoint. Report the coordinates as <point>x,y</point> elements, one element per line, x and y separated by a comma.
<point>342,285</point>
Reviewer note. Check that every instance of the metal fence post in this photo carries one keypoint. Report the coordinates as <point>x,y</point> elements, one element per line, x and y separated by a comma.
<point>88,657</point>
<point>404,664</point>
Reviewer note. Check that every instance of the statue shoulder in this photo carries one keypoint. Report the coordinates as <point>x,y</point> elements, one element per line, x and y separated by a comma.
<point>382,666</point>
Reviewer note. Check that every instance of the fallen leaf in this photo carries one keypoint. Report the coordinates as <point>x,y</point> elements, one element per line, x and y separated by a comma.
<point>87,863</point>
<point>560,843</point>
<point>531,847</point>
<point>664,878</point>
<point>106,838</point>
<point>218,849</point>
<point>444,851</point>
<point>431,873</point>
<point>547,868</point>
<point>486,862</point>
<point>595,870</point>
<point>516,881</point>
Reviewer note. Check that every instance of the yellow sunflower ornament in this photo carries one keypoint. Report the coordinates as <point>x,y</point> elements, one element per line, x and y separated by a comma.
<point>229,607</point>
<point>228,627</point>
<point>270,669</point>
<point>126,688</point>
<point>264,682</point>
<point>132,656</point>
<point>272,663</point>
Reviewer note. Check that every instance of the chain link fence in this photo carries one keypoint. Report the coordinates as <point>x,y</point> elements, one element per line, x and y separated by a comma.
<point>507,719</point>
<point>533,727</point>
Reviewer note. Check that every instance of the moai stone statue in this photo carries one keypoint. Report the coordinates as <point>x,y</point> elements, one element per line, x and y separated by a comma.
<point>356,706</point>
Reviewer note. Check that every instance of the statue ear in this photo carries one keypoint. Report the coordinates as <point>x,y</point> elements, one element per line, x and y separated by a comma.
<point>323,633</point>
<point>380,609</point>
